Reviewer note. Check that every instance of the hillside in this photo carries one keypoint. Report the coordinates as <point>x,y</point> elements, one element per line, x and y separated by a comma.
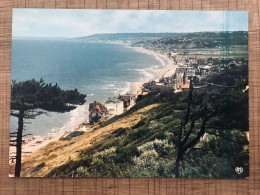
<point>142,142</point>
<point>133,37</point>
<point>199,40</point>
<point>60,152</point>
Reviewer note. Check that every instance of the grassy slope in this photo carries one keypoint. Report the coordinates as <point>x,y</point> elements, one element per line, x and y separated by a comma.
<point>60,152</point>
<point>138,143</point>
<point>113,156</point>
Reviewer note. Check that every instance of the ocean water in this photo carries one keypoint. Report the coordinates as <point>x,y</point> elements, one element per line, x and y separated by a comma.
<point>99,70</point>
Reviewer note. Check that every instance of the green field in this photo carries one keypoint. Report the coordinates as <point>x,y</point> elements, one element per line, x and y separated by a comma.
<point>203,53</point>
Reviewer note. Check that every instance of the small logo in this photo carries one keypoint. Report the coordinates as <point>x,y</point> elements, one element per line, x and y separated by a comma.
<point>239,170</point>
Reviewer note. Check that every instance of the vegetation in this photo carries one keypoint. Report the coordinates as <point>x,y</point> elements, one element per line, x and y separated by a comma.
<point>126,36</point>
<point>201,40</point>
<point>152,146</point>
<point>201,132</point>
<point>60,152</point>
<point>71,135</point>
<point>30,99</point>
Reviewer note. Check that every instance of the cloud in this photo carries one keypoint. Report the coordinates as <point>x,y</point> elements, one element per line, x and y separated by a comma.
<point>73,23</point>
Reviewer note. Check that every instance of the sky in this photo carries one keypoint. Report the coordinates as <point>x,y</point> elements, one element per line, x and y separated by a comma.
<point>77,23</point>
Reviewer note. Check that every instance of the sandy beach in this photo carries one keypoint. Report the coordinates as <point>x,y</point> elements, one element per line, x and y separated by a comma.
<point>40,141</point>
<point>165,71</point>
<point>37,142</point>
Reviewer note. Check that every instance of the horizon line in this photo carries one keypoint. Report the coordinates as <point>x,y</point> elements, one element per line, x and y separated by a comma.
<point>124,33</point>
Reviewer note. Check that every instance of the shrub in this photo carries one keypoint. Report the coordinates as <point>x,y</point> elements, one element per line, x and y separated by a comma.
<point>150,163</point>
<point>72,135</point>
<point>38,167</point>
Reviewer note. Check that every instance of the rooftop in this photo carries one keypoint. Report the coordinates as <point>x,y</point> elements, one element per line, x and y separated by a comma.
<point>113,101</point>
<point>186,86</point>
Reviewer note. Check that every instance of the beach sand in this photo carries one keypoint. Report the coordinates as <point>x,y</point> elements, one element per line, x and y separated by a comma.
<point>32,146</point>
<point>37,143</point>
<point>165,71</point>
<point>40,141</point>
<point>137,88</point>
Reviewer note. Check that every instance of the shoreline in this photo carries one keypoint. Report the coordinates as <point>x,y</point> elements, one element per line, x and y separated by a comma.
<point>38,142</point>
<point>167,69</point>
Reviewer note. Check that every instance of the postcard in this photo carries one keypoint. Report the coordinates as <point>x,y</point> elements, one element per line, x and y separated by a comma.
<point>129,93</point>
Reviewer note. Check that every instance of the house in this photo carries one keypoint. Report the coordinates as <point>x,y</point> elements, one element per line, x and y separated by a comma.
<point>145,93</point>
<point>153,85</point>
<point>180,80</point>
<point>114,106</point>
<point>190,71</point>
<point>204,70</point>
<point>185,87</point>
<point>97,111</point>
<point>128,99</point>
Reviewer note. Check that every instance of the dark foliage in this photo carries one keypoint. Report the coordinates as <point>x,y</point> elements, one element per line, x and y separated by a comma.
<point>150,147</point>
<point>72,135</point>
<point>32,94</point>
<point>32,98</point>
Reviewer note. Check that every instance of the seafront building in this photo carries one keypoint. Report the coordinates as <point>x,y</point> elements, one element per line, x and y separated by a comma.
<point>114,106</point>
<point>128,99</point>
<point>97,112</point>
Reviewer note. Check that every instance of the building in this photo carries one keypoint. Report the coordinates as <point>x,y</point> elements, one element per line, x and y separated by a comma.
<point>145,93</point>
<point>153,85</point>
<point>114,107</point>
<point>97,112</point>
<point>128,99</point>
<point>185,87</point>
<point>180,80</point>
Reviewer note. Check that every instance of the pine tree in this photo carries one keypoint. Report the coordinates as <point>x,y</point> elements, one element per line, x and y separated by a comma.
<point>32,98</point>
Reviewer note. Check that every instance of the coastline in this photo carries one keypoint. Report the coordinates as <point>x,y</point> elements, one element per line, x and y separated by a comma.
<point>166,69</point>
<point>38,142</point>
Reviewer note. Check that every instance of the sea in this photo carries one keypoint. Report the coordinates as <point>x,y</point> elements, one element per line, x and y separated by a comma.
<point>99,70</point>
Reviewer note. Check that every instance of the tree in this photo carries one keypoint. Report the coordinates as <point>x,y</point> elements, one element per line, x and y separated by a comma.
<point>186,141</point>
<point>32,98</point>
<point>222,107</point>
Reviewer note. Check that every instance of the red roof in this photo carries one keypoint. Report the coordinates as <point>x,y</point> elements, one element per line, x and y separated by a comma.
<point>97,107</point>
<point>186,86</point>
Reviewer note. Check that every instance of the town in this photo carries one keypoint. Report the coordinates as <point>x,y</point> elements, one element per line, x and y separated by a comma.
<point>196,56</point>
<point>187,68</point>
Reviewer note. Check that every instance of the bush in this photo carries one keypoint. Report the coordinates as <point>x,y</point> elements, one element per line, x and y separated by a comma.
<point>72,135</point>
<point>150,162</point>
<point>38,167</point>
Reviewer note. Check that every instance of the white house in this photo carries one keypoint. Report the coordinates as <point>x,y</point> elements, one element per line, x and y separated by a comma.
<point>114,107</point>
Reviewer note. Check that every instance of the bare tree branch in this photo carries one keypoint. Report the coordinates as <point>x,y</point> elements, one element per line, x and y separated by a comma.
<point>201,132</point>
<point>193,124</point>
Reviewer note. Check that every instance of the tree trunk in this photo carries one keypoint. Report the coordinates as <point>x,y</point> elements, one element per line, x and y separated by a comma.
<point>181,142</point>
<point>178,165</point>
<point>19,144</point>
